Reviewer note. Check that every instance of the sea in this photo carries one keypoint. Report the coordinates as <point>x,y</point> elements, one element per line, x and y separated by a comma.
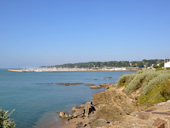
<point>36,96</point>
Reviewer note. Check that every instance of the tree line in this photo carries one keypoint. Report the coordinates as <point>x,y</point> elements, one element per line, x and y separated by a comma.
<point>140,64</point>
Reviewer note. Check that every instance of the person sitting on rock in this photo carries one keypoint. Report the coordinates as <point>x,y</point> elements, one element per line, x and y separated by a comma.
<point>92,109</point>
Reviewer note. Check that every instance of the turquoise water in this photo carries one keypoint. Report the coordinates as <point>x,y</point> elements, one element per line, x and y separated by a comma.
<point>36,96</point>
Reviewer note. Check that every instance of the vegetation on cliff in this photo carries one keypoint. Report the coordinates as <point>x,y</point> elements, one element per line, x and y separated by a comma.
<point>5,121</point>
<point>154,86</point>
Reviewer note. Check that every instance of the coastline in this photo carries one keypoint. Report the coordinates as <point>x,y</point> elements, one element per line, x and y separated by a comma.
<point>21,70</point>
<point>75,122</point>
<point>75,69</point>
<point>116,108</point>
<point>52,97</point>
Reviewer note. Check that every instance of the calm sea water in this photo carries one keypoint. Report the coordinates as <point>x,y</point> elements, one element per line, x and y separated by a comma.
<point>36,96</point>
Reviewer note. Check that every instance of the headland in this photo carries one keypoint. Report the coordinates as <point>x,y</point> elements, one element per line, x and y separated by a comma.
<point>138,100</point>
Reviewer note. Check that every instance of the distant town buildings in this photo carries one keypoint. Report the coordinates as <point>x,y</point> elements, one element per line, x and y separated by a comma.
<point>167,64</point>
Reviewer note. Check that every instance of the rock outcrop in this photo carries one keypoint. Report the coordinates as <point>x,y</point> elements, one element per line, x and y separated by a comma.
<point>105,85</point>
<point>157,116</point>
<point>111,105</point>
<point>115,109</point>
<point>95,87</point>
<point>107,78</point>
<point>89,84</point>
<point>133,103</point>
<point>108,106</point>
<point>63,114</point>
<point>101,86</point>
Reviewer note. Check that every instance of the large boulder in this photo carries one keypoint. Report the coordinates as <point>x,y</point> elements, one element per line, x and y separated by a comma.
<point>99,98</point>
<point>63,114</point>
<point>110,113</point>
<point>78,111</point>
<point>104,85</point>
<point>98,123</point>
<point>87,107</point>
<point>111,106</point>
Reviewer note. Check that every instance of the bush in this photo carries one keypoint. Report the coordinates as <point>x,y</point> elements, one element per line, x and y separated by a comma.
<point>136,83</point>
<point>159,79</point>
<point>167,68</point>
<point>5,121</point>
<point>125,79</point>
<point>154,86</point>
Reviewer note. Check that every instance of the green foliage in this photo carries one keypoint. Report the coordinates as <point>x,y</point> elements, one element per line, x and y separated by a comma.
<point>96,64</point>
<point>154,86</point>
<point>159,93</point>
<point>167,68</point>
<point>159,69</point>
<point>139,64</point>
<point>136,83</point>
<point>158,77</point>
<point>125,79</point>
<point>5,121</point>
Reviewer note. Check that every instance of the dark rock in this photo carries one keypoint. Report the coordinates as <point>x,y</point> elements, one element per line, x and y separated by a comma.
<point>162,113</point>
<point>67,84</point>
<point>150,109</point>
<point>108,78</point>
<point>89,84</point>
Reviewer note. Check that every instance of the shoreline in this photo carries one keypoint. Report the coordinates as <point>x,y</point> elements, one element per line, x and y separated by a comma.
<point>116,108</point>
<point>74,122</point>
<point>22,71</point>
<point>57,124</point>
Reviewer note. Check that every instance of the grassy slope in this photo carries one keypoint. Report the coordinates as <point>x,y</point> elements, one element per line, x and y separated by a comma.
<point>154,86</point>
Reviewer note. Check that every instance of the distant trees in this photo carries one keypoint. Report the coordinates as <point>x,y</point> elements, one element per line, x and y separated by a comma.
<point>148,63</point>
<point>96,64</point>
<point>5,121</point>
<point>140,64</point>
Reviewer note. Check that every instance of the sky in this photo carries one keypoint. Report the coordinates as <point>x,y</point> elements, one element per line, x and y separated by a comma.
<point>50,32</point>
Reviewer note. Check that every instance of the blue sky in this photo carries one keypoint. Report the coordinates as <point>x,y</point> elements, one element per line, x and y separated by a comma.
<point>50,32</point>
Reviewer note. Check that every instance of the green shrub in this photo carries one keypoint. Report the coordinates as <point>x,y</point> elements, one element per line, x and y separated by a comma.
<point>160,93</point>
<point>5,121</point>
<point>125,79</point>
<point>136,83</point>
<point>154,86</point>
<point>159,79</point>
<point>167,68</point>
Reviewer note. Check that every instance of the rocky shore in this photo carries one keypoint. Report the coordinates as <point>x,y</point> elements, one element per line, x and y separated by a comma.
<point>92,86</point>
<point>114,108</point>
<point>107,106</point>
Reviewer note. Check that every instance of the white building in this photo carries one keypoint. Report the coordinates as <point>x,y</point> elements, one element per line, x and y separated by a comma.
<point>167,65</point>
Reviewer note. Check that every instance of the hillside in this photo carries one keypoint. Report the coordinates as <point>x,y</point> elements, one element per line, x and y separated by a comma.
<point>140,64</point>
